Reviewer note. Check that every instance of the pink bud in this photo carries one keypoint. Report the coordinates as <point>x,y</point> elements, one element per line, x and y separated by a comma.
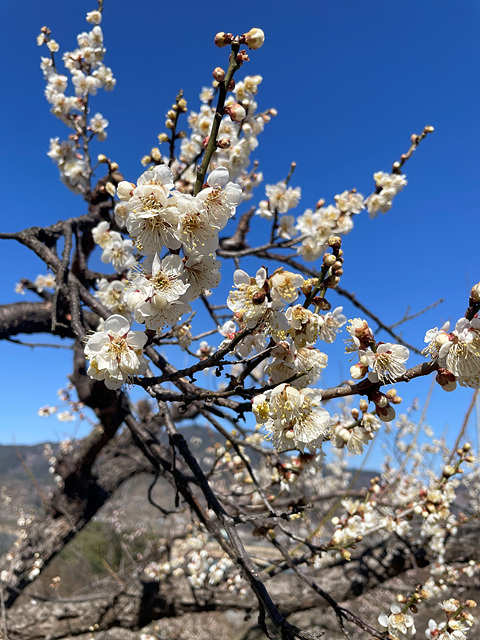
<point>219,74</point>
<point>222,39</point>
<point>236,112</point>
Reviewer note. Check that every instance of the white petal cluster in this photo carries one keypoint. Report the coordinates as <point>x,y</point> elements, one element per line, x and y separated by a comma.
<point>116,352</point>
<point>386,363</point>
<point>158,216</point>
<point>288,361</point>
<point>293,417</point>
<point>112,295</point>
<point>240,136</point>
<point>388,185</point>
<point>155,294</point>
<point>398,622</point>
<point>116,250</point>
<point>280,199</point>
<point>457,351</point>
<point>317,226</point>
<point>88,74</point>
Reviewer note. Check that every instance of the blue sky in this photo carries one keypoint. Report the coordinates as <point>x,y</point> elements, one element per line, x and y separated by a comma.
<point>351,82</point>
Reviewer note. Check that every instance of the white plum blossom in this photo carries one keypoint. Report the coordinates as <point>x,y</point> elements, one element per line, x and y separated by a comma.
<point>457,351</point>
<point>220,198</point>
<point>397,622</point>
<point>120,253</point>
<point>332,321</point>
<point>155,297</point>
<point>152,213</point>
<point>44,282</point>
<point>349,202</point>
<point>289,361</point>
<point>284,285</point>
<point>386,363</point>
<point>201,272</point>
<point>112,295</point>
<point>250,300</point>
<point>305,325</point>
<point>116,352</point>
<point>293,417</point>
<point>388,185</point>
<point>282,198</point>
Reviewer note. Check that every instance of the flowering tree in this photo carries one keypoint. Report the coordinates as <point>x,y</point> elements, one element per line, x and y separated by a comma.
<point>166,238</point>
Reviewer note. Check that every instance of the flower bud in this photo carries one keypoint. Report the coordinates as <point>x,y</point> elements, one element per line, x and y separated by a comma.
<point>163,137</point>
<point>222,39</point>
<point>219,74</point>
<point>358,371</point>
<point>156,155</point>
<point>429,129</point>
<point>363,405</point>
<point>124,190</point>
<point>236,112</point>
<point>335,241</point>
<point>223,143</point>
<point>475,292</point>
<point>446,380</point>
<point>255,38</point>
<point>102,159</point>
<point>329,259</point>
<point>448,471</point>
<point>169,124</point>
<point>145,160</point>
<point>110,189</point>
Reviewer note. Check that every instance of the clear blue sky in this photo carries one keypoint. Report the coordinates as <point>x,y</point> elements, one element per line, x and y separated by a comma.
<point>351,81</point>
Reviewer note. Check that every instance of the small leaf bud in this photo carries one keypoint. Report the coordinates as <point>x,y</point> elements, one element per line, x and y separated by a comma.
<point>242,57</point>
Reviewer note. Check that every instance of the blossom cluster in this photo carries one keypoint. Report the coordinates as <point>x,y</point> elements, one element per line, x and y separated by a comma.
<point>88,74</point>
<point>457,353</point>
